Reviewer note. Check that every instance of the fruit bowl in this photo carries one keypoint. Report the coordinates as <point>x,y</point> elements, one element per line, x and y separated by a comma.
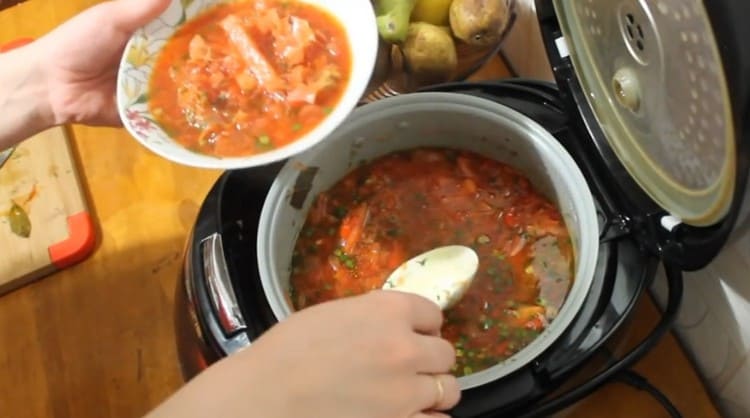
<point>426,42</point>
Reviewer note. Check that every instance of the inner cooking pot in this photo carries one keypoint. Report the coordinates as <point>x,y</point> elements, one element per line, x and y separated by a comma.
<point>448,120</point>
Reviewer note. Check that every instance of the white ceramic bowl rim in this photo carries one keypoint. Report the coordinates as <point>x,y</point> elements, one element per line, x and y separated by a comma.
<point>358,20</point>
<point>569,183</point>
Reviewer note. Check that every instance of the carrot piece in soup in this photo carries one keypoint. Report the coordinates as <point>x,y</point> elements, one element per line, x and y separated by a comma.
<point>396,256</point>
<point>293,47</point>
<point>199,49</point>
<point>352,226</point>
<point>528,314</point>
<point>301,95</point>
<point>246,82</point>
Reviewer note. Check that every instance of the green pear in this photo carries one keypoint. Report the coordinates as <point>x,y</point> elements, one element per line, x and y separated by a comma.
<point>429,52</point>
<point>393,18</point>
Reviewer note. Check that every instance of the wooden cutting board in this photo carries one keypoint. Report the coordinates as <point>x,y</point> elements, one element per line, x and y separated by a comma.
<point>41,180</point>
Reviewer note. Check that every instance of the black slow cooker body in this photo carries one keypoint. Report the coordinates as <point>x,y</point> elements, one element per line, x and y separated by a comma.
<point>221,306</point>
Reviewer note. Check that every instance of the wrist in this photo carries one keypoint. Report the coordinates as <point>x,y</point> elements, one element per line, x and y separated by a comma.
<point>25,108</point>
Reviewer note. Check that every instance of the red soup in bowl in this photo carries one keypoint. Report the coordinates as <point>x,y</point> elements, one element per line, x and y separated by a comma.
<point>246,78</point>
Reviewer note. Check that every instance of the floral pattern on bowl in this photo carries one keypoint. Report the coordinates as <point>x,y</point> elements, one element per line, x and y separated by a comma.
<point>143,48</point>
<point>139,60</point>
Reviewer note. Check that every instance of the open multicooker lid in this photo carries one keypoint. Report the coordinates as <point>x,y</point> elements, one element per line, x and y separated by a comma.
<point>662,87</point>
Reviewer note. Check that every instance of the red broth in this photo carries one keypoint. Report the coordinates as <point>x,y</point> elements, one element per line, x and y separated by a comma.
<point>247,77</point>
<point>400,205</point>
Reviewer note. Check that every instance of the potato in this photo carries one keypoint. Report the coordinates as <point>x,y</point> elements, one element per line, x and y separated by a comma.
<point>479,22</point>
<point>429,52</point>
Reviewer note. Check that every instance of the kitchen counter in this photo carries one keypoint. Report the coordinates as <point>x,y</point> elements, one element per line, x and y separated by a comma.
<point>96,340</point>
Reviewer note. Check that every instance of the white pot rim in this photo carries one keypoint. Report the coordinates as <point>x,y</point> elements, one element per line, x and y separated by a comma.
<point>570,178</point>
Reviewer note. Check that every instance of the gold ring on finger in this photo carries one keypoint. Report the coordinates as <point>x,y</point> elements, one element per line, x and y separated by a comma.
<point>440,390</point>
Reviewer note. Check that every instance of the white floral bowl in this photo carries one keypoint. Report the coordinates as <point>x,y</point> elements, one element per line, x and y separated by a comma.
<point>358,20</point>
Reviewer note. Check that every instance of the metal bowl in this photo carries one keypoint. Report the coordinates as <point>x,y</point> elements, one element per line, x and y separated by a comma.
<point>399,123</point>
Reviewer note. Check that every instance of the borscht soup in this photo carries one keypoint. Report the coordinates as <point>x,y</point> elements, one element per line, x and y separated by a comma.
<point>247,77</point>
<point>389,210</point>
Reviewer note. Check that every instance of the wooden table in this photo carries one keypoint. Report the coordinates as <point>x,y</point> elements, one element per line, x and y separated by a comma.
<point>97,341</point>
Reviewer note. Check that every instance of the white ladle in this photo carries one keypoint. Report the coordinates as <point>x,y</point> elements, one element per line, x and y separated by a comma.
<point>442,275</point>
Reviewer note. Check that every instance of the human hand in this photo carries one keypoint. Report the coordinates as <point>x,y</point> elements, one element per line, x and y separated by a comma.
<point>371,356</point>
<point>81,57</point>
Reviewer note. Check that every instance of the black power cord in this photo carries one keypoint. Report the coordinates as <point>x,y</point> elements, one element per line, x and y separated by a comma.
<point>637,381</point>
<point>675,289</point>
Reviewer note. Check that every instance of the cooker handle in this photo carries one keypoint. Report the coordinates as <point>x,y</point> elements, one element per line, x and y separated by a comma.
<point>222,298</point>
